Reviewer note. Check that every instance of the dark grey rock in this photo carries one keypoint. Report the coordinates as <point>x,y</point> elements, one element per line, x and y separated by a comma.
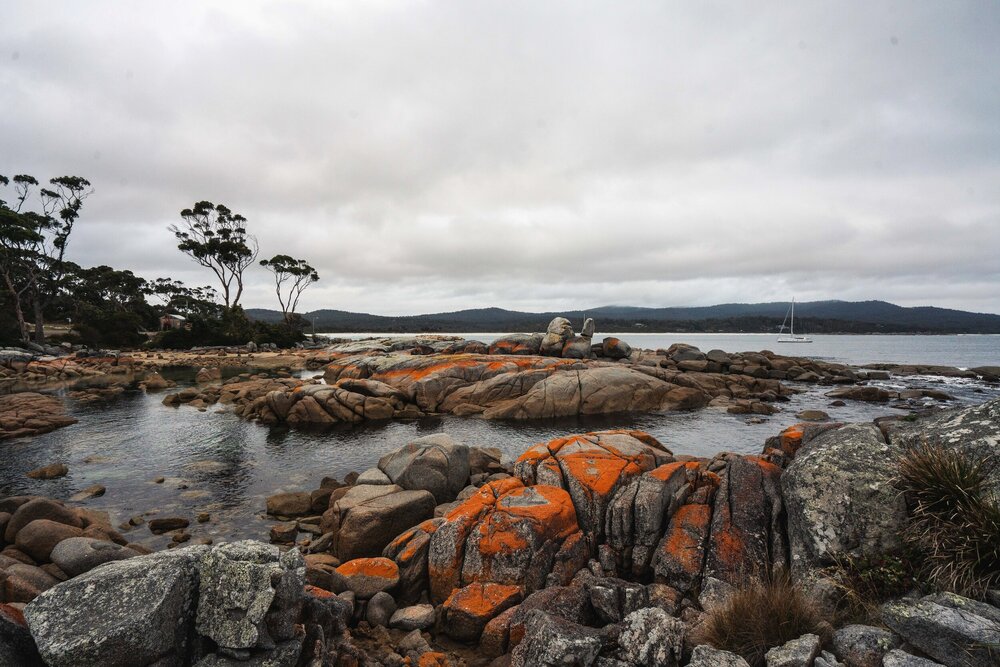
<point>131,612</point>
<point>77,555</point>
<point>840,499</point>
<point>614,599</point>
<point>250,594</point>
<point>550,641</point>
<point>380,609</point>
<point>285,654</point>
<point>954,637</point>
<point>827,659</point>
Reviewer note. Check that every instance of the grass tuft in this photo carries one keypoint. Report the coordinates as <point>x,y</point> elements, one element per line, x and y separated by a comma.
<point>760,616</point>
<point>954,518</point>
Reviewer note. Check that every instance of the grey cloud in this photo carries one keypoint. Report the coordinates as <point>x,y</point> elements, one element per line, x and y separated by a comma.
<point>435,156</point>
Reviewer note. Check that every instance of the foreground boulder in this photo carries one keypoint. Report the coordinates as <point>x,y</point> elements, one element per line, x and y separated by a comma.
<point>132,612</point>
<point>365,519</point>
<point>250,595</point>
<point>840,498</point>
<point>953,635</point>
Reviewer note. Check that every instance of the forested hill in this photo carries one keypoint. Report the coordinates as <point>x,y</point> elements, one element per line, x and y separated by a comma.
<point>810,317</point>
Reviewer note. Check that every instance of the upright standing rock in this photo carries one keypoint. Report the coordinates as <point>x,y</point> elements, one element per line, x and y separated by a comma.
<point>558,332</point>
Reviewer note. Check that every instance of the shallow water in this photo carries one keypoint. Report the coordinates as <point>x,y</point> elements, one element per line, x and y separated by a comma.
<point>218,463</point>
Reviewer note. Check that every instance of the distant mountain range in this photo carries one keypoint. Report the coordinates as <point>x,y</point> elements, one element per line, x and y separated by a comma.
<point>810,317</point>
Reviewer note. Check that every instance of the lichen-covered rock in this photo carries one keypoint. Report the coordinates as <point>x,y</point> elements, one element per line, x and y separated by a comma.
<point>954,637</point>
<point>796,653</point>
<point>707,656</point>
<point>550,641</point>
<point>863,645</point>
<point>747,537</point>
<point>975,430</point>
<point>368,576</point>
<point>467,610</point>
<point>409,552</point>
<point>615,348</point>
<point>651,638</point>
<point>504,534</point>
<point>249,594</point>
<point>558,332</point>
<point>898,658</point>
<point>591,467</point>
<point>840,499</point>
<point>130,612</point>
<point>680,556</point>
<point>434,463</point>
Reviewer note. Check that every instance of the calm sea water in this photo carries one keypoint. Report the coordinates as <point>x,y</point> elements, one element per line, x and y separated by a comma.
<point>218,463</point>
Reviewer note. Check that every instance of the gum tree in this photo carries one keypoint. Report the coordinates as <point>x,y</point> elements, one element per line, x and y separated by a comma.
<point>216,238</point>
<point>33,243</point>
<point>291,278</point>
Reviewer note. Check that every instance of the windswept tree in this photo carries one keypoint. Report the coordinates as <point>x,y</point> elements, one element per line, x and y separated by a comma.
<point>33,243</point>
<point>217,239</point>
<point>291,278</point>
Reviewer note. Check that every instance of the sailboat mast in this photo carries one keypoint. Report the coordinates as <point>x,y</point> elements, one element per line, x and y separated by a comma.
<point>793,317</point>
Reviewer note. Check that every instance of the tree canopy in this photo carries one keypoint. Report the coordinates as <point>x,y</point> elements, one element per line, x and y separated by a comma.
<point>291,278</point>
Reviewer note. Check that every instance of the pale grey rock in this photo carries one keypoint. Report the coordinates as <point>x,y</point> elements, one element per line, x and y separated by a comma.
<point>863,645</point>
<point>827,659</point>
<point>588,328</point>
<point>714,593</point>
<point>373,476</point>
<point>434,463</point>
<point>796,653</point>
<point>840,499</point>
<point>137,611</point>
<point>77,555</point>
<point>954,637</point>
<point>417,617</point>
<point>707,656</point>
<point>250,594</point>
<point>651,638</point>
<point>899,658</point>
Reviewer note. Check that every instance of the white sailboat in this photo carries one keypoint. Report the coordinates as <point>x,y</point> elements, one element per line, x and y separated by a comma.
<point>790,337</point>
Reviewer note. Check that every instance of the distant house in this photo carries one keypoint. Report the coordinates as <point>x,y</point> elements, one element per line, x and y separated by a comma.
<point>174,321</point>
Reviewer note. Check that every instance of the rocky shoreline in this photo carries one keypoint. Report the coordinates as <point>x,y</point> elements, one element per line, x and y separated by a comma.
<point>593,549</point>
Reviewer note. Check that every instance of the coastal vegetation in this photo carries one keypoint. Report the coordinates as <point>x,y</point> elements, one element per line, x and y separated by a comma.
<point>111,307</point>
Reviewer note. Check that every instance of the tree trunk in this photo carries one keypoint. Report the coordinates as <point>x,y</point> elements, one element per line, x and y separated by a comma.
<point>22,326</point>
<point>39,323</point>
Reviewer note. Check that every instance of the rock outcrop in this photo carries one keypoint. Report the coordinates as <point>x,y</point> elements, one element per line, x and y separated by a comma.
<point>29,413</point>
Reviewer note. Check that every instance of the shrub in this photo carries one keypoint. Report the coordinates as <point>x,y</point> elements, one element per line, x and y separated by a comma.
<point>954,517</point>
<point>867,582</point>
<point>761,615</point>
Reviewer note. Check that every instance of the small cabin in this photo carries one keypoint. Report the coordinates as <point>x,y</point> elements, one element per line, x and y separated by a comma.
<point>173,321</point>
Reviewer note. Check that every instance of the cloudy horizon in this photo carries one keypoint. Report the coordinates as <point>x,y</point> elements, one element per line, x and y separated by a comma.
<point>434,156</point>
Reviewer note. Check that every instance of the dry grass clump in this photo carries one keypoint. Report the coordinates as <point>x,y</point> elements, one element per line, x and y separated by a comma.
<point>954,518</point>
<point>762,615</point>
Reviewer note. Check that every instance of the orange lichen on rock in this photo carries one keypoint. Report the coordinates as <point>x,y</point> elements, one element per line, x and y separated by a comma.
<point>468,610</point>
<point>317,592</point>
<point>791,439</point>
<point>372,567</point>
<point>433,659</point>
<point>681,553</point>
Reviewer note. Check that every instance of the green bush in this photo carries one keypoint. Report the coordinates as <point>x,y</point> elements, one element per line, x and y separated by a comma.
<point>232,328</point>
<point>761,615</point>
<point>954,518</point>
<point>867,582</point>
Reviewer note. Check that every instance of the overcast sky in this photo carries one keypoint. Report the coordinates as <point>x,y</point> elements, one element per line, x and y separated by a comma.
<point>432,156</point>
